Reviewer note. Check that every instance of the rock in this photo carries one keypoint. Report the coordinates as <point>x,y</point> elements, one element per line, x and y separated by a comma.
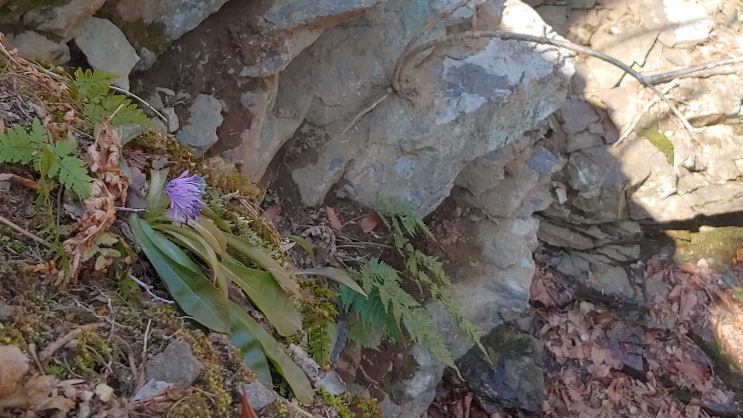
<point>577,115</point>
<point>104,392</point>
<point>107,49</point>
<point>176,365</point>
<point>289,14</point>
<point>200,132</point>
<point>563,237</point>
<point>155,25</point>
<point>584,173</point>
<point>173,124</point>
<point>596,280</point>
<point>629,43</point>
<point>515,380</point>
<point>147,59</point>
<point>33,45</point>
<point>424,139</point>
<point>688,23</point>
<point>583,140</point>
<point>64,20</point>
<point>258,395</point>
<point>150,389</point>
<point>276,52</point>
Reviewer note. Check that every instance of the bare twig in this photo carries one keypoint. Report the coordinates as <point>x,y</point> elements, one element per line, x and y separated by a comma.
<point>404,55</point>
<point>60,342</point>
<point>148,288</point>
<point>28,234</point>
<point>363,112</point>
<point>140,100</point>
<point>647,107</point>
<point>701,70</point>
<point>513,36</point>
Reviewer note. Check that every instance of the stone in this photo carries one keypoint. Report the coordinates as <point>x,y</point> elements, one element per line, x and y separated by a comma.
<point>595,279</point>
<point>584,173</point>
<point>64,20</point>
<point>147,59</point>
<point>716,199</point>
<point>104,392</point>
<point>290,14</point>
<point>583,140</point>
<point>464,107</point>
<point>284,48</point>
<point>165,20</point>
<point>176,365</point>
<point>515,380</point>
<point>107,49</point>
<point>258,395</point>
<point>563,237</point>
<point>31,45</point>
<point>577,115</point>
<point>629,43</point>
<point>690,182</point>
<point>173,124</point>
<point>200,131</point>
<point>688,23</point>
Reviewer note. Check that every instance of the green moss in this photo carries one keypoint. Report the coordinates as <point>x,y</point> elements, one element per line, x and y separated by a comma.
<point>349,405</point>
<point>660,141</point>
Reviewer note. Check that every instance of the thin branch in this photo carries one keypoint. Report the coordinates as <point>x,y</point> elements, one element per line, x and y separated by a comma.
<point>52,348</point>
<point>513,36</point>
<point>695,71</point>
<point>404,55</point>
<point>636,120</point>
<point>140,100</point>
<point>148,289</point>
<point>28,234</point>
<point>362,113</point>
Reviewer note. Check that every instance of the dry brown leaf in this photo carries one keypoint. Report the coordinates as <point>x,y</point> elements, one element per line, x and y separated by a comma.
<point>13,366</point>
<point>686,305</point>
<point>538,292</point>
<point>273,213</point>
<point>694,373</point>
<point>335,223</point>
<point>369,222</point>
<point>39,393</point>
<point>247,410</point>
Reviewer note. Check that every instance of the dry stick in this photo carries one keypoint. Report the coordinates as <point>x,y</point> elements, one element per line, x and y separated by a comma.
<point>647,107</point>
<point>362,113</point>
<point>513,36</point>
<point>691,71</point>
<point>405,52</point>
<point>56,345</point>
<point>17,228</point>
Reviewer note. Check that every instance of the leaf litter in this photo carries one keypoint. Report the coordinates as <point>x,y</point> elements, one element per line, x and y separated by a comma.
<point>679,355</point>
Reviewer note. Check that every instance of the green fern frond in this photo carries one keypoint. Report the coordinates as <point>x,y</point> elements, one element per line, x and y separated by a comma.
<point>402,218</point>
<point>91,89</point>
<point>391,309</point>
<point>72,174</point>
<point>318,320</point>
<point>18,145</point>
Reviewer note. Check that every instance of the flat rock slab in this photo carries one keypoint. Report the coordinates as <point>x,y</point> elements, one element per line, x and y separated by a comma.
<point>107,49</point>
<point>200,132</point>
<point>176,365</point>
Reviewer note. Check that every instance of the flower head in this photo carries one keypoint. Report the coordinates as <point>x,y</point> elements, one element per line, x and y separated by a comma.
<point>185,193</point>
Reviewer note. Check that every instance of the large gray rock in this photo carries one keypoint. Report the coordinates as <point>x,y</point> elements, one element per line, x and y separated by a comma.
<point>289,14</point>
<point>155,24</point>
<point>63,20</point>
<point>31,45</point>
<point>107,49</point>
<point>176,365</point>
<point>200,132</point>
<point>459,103</point>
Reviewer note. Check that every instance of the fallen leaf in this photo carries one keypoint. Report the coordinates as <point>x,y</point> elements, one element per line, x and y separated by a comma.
<point>538,292</point>
<point>335,223</point>
<point>369,222</point>
<point>273,213</point>
<point>14,367</point>
<point>247,410</point>
<point>686,304</point>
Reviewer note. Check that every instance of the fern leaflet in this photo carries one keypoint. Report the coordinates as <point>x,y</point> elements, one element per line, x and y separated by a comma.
<point>20,146</point>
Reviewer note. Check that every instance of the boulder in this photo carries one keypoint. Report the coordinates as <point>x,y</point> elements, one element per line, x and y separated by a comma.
<point>200,131</point>
<point>107,49</point>
<point>31,45</point>
<point>63,20</point>
<point>460,102</point>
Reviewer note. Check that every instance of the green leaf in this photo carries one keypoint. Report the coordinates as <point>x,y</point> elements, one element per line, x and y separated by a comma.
<point>293,375</point>
<point>91,85</point>
<point>339,275</point>
<point>73,174</point>
<point>211,233</point>
<point>20,146</point>
<point>188,286</point>
<point>191,239</point>
<point>157,200</point>
<point>263,259</point>
<point>265,294</point>
<point>302,243</point>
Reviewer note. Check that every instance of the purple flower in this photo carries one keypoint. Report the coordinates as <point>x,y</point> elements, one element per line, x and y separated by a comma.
<point>185,197</point>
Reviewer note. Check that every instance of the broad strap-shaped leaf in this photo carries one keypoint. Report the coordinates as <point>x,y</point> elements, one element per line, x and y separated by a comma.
<point>294,376</point>
<point>249,345</point>
<point>339,275</point>
<point>264,260</point>
<point>302,243</point>
<point>194,293</point>
<point>187,237</point>
<point>157,200</point>
<point>265,294</point>
<point>211,233</point>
